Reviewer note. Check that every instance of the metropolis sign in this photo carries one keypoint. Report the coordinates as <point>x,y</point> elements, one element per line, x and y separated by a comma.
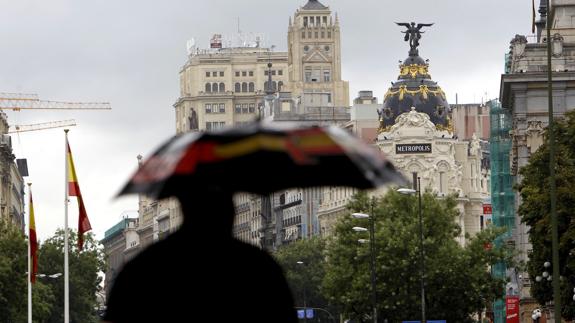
<point>413,149</point>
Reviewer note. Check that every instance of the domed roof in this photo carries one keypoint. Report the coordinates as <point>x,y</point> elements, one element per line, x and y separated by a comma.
<point>415,88</point>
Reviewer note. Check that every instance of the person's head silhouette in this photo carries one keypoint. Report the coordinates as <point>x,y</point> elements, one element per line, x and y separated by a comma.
<point>208,211</point>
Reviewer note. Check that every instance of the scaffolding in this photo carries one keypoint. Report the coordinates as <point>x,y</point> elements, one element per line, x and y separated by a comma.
<point>502,195</point>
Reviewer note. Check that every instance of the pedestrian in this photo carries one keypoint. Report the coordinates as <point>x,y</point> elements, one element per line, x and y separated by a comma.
<point>201,273</point>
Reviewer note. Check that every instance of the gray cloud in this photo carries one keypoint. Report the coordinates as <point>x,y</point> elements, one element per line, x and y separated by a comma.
<point>130,52</point>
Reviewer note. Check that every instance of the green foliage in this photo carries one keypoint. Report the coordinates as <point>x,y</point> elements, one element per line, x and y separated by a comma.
<point>84,280</point>
<point>14,280</point>
<point>13,267</point>
<point>535,211</point>
<point>309,275</point>
<point>457,280</point>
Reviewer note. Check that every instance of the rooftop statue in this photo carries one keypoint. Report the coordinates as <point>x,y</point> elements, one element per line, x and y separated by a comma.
<point>413,34</point>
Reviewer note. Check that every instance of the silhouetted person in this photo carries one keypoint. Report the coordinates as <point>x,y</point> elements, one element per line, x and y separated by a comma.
<point>201,273</point>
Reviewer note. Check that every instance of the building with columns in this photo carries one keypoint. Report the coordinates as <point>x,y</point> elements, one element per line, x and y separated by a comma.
<point>229,85</point>
<point>524,101</point>
<point>12,183</point>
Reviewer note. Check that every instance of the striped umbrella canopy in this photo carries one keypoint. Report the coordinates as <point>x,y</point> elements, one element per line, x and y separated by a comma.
<point>261,158</point>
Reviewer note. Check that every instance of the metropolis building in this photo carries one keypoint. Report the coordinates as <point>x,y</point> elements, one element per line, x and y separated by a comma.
<point>416,133</point>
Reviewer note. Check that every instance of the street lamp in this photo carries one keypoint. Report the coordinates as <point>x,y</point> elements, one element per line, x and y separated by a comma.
<point>421,251</point>
<point>372,254</point>
<point>304,296</point>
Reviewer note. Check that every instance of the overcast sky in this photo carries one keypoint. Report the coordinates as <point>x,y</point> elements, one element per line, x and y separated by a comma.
<point>129,53</point>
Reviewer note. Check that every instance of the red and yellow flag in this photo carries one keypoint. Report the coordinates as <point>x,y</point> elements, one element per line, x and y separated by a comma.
<point>33,241</point>
<point>74,190</point>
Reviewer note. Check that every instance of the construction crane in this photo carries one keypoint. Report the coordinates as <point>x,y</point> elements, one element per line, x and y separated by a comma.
<point>28,101</point>
<point>42,126</point>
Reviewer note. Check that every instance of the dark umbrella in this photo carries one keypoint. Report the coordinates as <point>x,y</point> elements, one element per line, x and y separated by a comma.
<point>262,158</point>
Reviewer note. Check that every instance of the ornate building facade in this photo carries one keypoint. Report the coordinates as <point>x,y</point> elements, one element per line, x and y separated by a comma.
<point>524,97</point>
<point>12,183</point>
<point>416,133</point>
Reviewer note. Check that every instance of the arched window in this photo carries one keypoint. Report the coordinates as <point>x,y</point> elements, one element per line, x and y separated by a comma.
<point>244,87</point>
<point>222,87</point>
<point>266,86</point>
<point>252,87</point>
<point>280,85</point>
<point>215,87</point>
<point>274,86</point>
<point>238,87</point>
<point>208,88</point>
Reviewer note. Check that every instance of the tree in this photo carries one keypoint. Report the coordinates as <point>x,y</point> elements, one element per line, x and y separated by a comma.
<point>457,279</point>
<point>309,274</point>
<point>84,267</point>
<point>14,280</point>
<point>535,212</point>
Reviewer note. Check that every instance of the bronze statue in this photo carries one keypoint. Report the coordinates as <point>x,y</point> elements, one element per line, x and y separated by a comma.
<point>413,34</point>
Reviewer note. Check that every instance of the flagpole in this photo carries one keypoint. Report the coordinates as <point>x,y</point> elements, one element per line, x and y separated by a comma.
<point>29,267</point>
<point>66,276</point>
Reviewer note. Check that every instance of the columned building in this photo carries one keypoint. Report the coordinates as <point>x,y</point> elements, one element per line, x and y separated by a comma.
<point>524,98</point>
<point>12,183</point>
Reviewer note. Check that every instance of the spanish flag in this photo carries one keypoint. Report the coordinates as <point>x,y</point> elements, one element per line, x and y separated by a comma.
<point>32,240</point>
<point>74,190</point>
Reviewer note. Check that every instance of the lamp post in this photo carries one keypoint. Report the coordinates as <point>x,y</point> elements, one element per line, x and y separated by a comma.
<point>304,296</point>
<point>417,186</point>
<point>372,254</point>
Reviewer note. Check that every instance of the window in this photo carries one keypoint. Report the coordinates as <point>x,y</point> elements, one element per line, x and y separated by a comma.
<point>326,76</point>
<point>280,85</point>
<point>305,21</point>
<point>322,34</point>
<point>442,183</point>
<point>274,86</point>
<point>273,72</point>
<point>311,21</point>
<point>222,87</point>
<point>324,20</point>
<point>237,73</point>
<point>329,98</point>
<point>222,108</point>
<point>238,108</point>
<point>208,107</point>
<point>237,87</point>
<point>214,74</point>
<point>221,74</point>
<point>329,34</point>
<point>252,107</point>
<point>303,34</point>
<point>215,87</point>
<point>244,87</point>
<point>309,34</point>
<point>244,73</point>
<point>252,87</point>
<point>215,125</point>
<point>308,75</point>
<point>208,88</point>
<point>251,73</point>
<point>315,75</point>
<point>266,72</point>
<point>244,108</point>
<point>280,72</point>
<point>316,35</point>
<point>207,74</point>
